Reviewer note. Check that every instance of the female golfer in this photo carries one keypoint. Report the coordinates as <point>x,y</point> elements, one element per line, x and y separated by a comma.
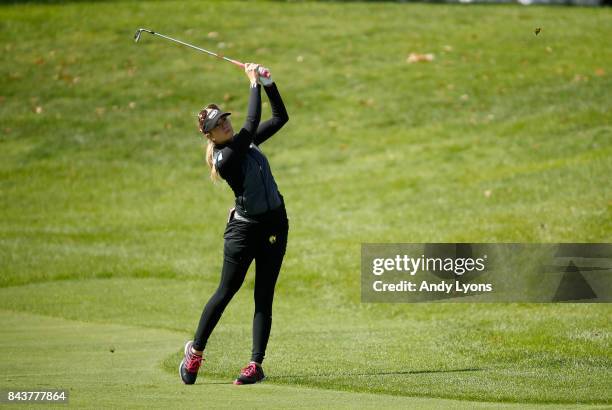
<point>257,226</point>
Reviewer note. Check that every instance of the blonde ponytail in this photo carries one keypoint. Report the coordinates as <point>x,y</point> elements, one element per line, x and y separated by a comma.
<point>214,175</point>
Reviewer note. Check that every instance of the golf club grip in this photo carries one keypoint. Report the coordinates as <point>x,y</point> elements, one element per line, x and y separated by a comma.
<point>265,73</point>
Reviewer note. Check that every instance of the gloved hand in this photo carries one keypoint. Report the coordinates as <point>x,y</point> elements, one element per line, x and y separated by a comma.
<point>252,71</point>
<point>265,81</point>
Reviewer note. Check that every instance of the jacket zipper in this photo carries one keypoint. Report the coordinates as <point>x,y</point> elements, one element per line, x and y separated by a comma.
<point>263,181</point>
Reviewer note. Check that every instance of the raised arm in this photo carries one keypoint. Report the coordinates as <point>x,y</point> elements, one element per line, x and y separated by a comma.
<point>232,153</point>
<point>279,115</point>
<point>241,141</point>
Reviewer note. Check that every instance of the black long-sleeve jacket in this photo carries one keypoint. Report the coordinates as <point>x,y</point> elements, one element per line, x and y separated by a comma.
<point>243,165</point>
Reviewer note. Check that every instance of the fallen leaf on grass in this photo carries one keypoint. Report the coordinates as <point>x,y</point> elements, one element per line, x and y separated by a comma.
<point>579,78</point>
<point>417,58</point>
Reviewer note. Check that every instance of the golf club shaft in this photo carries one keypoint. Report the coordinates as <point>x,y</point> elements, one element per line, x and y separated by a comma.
<point>236,62</point>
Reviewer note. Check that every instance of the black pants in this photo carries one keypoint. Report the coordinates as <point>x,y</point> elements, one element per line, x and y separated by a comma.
<point>265,241</point>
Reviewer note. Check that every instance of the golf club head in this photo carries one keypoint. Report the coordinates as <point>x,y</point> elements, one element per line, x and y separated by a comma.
<point>139,32</point>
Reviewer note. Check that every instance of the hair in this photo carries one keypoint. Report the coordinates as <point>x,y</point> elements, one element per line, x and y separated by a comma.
<point>214,174</point>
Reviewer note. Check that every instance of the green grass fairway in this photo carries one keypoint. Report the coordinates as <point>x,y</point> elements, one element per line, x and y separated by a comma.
<point>111,232</point>
<point>78,355</point>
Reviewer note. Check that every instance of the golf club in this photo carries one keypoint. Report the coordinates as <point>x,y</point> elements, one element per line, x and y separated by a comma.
<point>238,63</point>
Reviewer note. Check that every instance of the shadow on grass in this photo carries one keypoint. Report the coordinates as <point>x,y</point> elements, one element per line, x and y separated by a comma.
<point>273,378</point>
<point>376,373</point>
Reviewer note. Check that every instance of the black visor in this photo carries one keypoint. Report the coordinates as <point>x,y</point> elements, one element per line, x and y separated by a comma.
<point>212,119</point>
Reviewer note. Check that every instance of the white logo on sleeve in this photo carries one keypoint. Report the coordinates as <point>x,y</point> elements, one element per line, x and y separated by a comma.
<point>219,158</point>
<point>213,114</point>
